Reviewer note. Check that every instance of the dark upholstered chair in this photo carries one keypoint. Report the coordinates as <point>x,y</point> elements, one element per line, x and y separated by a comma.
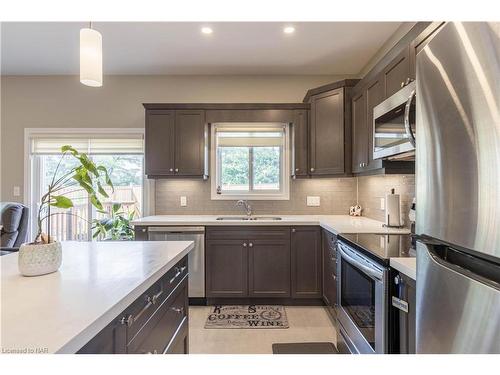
<point>14,218</point>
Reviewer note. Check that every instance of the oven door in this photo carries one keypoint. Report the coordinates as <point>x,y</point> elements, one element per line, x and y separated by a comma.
<point>362,299</point>
<point>394,125</point>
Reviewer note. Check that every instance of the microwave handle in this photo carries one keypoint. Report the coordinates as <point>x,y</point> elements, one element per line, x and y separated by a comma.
<point>409,132</point>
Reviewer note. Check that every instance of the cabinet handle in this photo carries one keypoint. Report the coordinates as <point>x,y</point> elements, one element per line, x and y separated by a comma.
<point>312,169</point>
<point>244,244</point>
<point>127,320</point>
<point>143,310</point>
<point>155,297</point>
<point>360,165</point>
<point>294,230</point>
<point>143,230</point>
<point>334,277</point>
<point>171,169</point>
<point>178,271</point>
<point>250,244</point>
<point>297,169</point>
<point>402,83</point>
<point>176,170</point>
<point>179,310</point>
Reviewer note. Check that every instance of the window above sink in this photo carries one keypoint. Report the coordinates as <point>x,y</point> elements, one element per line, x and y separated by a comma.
<point>250,161</point>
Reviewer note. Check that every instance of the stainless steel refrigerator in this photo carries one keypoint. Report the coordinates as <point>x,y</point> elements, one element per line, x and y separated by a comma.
<point>458,190</point>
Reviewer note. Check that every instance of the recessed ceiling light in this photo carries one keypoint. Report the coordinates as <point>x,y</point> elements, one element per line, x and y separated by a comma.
<point>289,30</point>
<point>206,30</point>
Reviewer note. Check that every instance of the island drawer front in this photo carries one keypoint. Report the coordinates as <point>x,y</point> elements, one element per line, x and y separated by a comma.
<point>157,333</point>
<point>139,312</point>
<point>248,232</point>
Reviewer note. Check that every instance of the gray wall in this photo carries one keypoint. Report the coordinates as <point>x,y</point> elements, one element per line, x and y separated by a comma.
<point>62,102</point>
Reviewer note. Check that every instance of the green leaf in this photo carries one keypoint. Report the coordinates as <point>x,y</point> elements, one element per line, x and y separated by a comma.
<point>106,176</point>
<point>95,201</point>
<point>88,188</point>
<point>88,164</point>
<point>116,207</point>
<point>69,148</point>
<point>101,190</point>
<point>61,201</point>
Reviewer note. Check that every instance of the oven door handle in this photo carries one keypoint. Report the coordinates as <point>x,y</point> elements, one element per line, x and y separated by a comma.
<point>376,274</point>
<point>409,132</point>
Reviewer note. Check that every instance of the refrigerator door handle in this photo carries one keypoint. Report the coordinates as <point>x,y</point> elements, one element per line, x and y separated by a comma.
<point>409,132</point>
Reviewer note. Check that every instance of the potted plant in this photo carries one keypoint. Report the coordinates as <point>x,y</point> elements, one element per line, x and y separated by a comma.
<point>44,254</point>
<point>116,226</point>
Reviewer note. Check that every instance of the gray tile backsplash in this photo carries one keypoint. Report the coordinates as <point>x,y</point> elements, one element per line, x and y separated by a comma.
<point>372,188</point>
<point>336,195</point>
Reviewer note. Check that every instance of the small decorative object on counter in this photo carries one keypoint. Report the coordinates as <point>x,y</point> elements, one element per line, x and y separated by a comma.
<point>411,214</point>
<point>44,255</point>
<point>355,210</point>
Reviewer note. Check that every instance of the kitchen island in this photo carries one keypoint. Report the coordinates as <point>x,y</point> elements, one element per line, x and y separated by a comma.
<point>98,281</point>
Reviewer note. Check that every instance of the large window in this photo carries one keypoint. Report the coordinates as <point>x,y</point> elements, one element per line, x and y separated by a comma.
<point>250,161</point>
<point>121,154</point>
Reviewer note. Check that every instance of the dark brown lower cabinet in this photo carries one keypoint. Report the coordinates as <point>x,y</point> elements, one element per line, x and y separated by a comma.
<point>252,262</point>
<point>156,323</point>
<point>404,338</point>
<point>269,268</point>
<point>226,268</point>
<point>329,271</point>
<point>306,262</point>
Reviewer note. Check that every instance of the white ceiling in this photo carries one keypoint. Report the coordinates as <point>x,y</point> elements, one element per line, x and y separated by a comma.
<point>37,48</point>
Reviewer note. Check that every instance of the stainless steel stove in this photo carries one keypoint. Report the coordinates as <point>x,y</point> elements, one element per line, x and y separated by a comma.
<point>363,289</point>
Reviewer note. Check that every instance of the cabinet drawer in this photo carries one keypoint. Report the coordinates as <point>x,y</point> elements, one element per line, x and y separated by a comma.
<point>246,233</point>
<point>179,343</point>
<point>156,334</point>
<point>139,312</point>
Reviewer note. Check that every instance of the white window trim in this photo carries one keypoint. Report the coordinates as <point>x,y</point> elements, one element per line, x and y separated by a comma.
<point>284,194</point>
<point>148,200</point>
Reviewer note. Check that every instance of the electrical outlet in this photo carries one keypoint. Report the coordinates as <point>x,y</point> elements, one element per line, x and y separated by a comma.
<point>313,201</point>
<point>382,203</point>
<point>17,191</point>
<point>183,201</point>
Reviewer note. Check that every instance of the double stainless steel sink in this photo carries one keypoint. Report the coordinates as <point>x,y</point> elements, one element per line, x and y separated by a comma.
<point>248,218</point>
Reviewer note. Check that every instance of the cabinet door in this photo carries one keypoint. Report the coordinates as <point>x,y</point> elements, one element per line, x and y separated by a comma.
<point>269,268</point>
<point>226,270</point>
<point>374,96</point>
<point>359,133</point>
<point>159,143</point>
<point>407,321</point>
<point>397,72</point>
<point>329,269</point>
<point>300,141</point>
<point>306,262</point>
<point>189,143</point>
<point>111,340</point>
<point>327,133</point>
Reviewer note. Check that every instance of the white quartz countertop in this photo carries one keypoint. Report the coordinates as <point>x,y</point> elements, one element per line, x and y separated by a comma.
<point>333,223</point>
<point>408,266</point>
<point>62,311</point>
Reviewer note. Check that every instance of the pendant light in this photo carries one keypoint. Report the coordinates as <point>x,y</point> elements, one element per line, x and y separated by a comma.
<point>90,57</point>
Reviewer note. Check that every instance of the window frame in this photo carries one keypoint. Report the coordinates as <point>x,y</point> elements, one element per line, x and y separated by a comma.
<point>215,167</point>
<point>30,165</point>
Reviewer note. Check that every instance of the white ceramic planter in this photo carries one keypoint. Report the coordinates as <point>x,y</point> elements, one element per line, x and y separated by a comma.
<point>39,259</point>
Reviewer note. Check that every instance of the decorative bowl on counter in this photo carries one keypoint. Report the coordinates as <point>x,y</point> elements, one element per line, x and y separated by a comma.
<point>39,259</point>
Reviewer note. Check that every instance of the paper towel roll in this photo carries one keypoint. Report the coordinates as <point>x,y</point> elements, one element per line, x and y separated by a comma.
<point>392,210</point>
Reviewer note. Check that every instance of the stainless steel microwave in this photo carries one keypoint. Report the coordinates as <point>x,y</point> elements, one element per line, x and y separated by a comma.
<point>394,126</point>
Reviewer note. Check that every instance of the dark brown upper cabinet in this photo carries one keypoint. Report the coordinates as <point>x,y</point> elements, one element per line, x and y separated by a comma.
<point>359,133</point>
<point>175,143</point>
<point>327,131</point>
<point>306,262</point>
<point>397,74</point>
<point>300,143</point>
<point>160,143</point>
<point>374,96</point>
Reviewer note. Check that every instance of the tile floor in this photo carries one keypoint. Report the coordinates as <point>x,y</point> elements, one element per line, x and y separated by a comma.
<point>307,324</point>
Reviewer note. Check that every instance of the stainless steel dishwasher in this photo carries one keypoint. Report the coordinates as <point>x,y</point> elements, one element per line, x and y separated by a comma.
<point>196,257</point>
